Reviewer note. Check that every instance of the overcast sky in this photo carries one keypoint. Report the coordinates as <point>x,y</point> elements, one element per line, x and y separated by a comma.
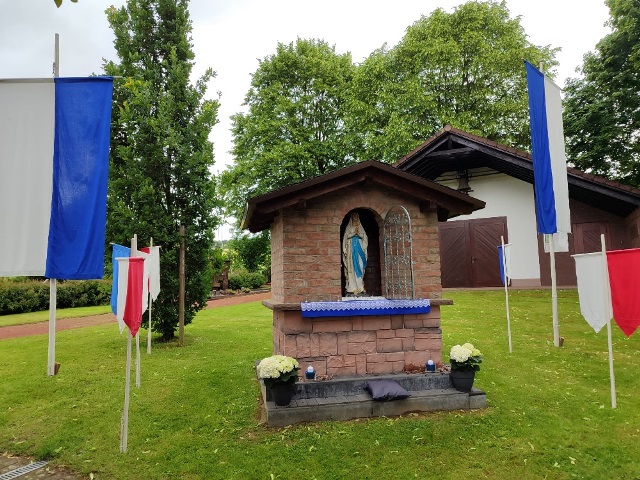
<point>231,35</point>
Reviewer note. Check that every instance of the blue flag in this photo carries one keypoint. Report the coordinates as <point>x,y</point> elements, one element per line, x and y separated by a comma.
<point>548,151</point>
<point>505,262</point>
<point>54,162</point>
<point>118,251</point>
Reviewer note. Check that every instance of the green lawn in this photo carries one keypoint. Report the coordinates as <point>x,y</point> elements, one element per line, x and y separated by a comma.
<point>197,415</point>
<point>36,317</point>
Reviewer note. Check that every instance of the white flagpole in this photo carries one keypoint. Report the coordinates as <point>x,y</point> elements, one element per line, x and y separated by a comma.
<point>53,284</point>
<point>53,292</point>
<point>554,293</point>
<point>138,359</point>
<point>506,291</point>
<point>150,306</point>
<point>124,427</point>
<point>607,295</point>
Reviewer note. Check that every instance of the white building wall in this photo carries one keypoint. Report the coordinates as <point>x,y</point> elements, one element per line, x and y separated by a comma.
<point>509,197</point>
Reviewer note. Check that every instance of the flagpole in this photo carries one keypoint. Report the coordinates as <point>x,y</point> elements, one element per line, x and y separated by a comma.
<point>506,291</point>
<point>554,293</point>
<point>124,426</point>
<point>51,363</point>
<point>53,283</point>
<point>607,299</point>
<point>150,306</point>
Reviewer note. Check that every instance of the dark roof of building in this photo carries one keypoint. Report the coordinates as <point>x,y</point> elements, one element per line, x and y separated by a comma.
<point>452,150</point>
<point>261,210</point>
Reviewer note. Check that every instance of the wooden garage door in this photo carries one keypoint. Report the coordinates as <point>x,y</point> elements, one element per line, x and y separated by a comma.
<point>587,237</point>
<point>469,254</point>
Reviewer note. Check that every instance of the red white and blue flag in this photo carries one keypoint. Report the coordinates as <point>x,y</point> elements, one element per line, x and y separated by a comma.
<point>133,293</point>
<point>54,159</point>
<point>549,157</point>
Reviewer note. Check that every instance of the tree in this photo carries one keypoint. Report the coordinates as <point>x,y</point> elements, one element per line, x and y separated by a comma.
<point>463,68</point>
<point>602,108</point>
<point>160,152</point>
<point>59,2</point>
<point>254,251</point>
<point>294,127</point>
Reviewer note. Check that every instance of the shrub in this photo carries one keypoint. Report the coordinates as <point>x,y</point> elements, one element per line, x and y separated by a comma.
<point>249,280</point>
<point>33,295</point>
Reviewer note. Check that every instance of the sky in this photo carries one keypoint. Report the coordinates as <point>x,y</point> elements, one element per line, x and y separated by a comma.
<point>231,36</point>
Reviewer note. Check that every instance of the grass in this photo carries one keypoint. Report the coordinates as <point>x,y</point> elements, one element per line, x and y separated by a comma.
<point>36,317</point>
<point>196,413</point>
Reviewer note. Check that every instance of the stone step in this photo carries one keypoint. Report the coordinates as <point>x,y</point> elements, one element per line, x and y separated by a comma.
<point>361,405</point>
<point>356,385</point>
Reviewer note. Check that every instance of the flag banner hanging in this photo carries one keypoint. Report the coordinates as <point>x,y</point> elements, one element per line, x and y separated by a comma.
<point>146,278</point>
<point>118,251</point>
<point>593,288</point>
<point>560,242</point>
<point>154,270</point>
<point>132,296</point>
<point>54,158</point>
<point>548,151</point>
<point>624,277</point>
<point>505,266</point>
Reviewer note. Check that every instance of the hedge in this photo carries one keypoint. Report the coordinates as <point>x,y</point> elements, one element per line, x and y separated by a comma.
<point>33,295</point>
<point>238,281</point>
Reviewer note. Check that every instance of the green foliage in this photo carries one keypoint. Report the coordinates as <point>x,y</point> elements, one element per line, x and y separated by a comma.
<point>161,156</point>
<point>312,111</point>
<point>602,108</point>
<point>33,295</point>
<point>59,2</point>
<point>217,260</point>
<point>251,280</point>
<point>294,128</point>
<point>254,251</point>
<point>463,68</point>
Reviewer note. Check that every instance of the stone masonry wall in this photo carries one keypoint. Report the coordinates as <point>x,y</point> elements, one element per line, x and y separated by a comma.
<point>306,266</point>
<point>277,286</point>
<point>306,245</point>
<point>363,345</point>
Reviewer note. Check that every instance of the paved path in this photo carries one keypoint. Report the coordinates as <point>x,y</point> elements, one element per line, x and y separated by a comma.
<point>8,462</point>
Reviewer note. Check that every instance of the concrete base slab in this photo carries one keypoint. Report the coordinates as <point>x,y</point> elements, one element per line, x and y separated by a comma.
<point>346,399</point>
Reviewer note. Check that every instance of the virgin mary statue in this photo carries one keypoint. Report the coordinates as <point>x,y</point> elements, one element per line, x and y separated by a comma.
<point>354,255</point>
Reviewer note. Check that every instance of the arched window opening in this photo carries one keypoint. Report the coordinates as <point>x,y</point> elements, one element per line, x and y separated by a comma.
<point>372,278</point>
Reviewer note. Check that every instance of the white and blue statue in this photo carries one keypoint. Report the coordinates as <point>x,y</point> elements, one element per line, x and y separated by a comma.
<point>354,256</point>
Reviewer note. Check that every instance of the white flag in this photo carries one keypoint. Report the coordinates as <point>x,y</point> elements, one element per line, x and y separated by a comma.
<point>154,270</point>
<point>593,289</point>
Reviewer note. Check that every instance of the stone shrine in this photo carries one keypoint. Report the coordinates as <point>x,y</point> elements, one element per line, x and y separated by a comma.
<point>396,323</point>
